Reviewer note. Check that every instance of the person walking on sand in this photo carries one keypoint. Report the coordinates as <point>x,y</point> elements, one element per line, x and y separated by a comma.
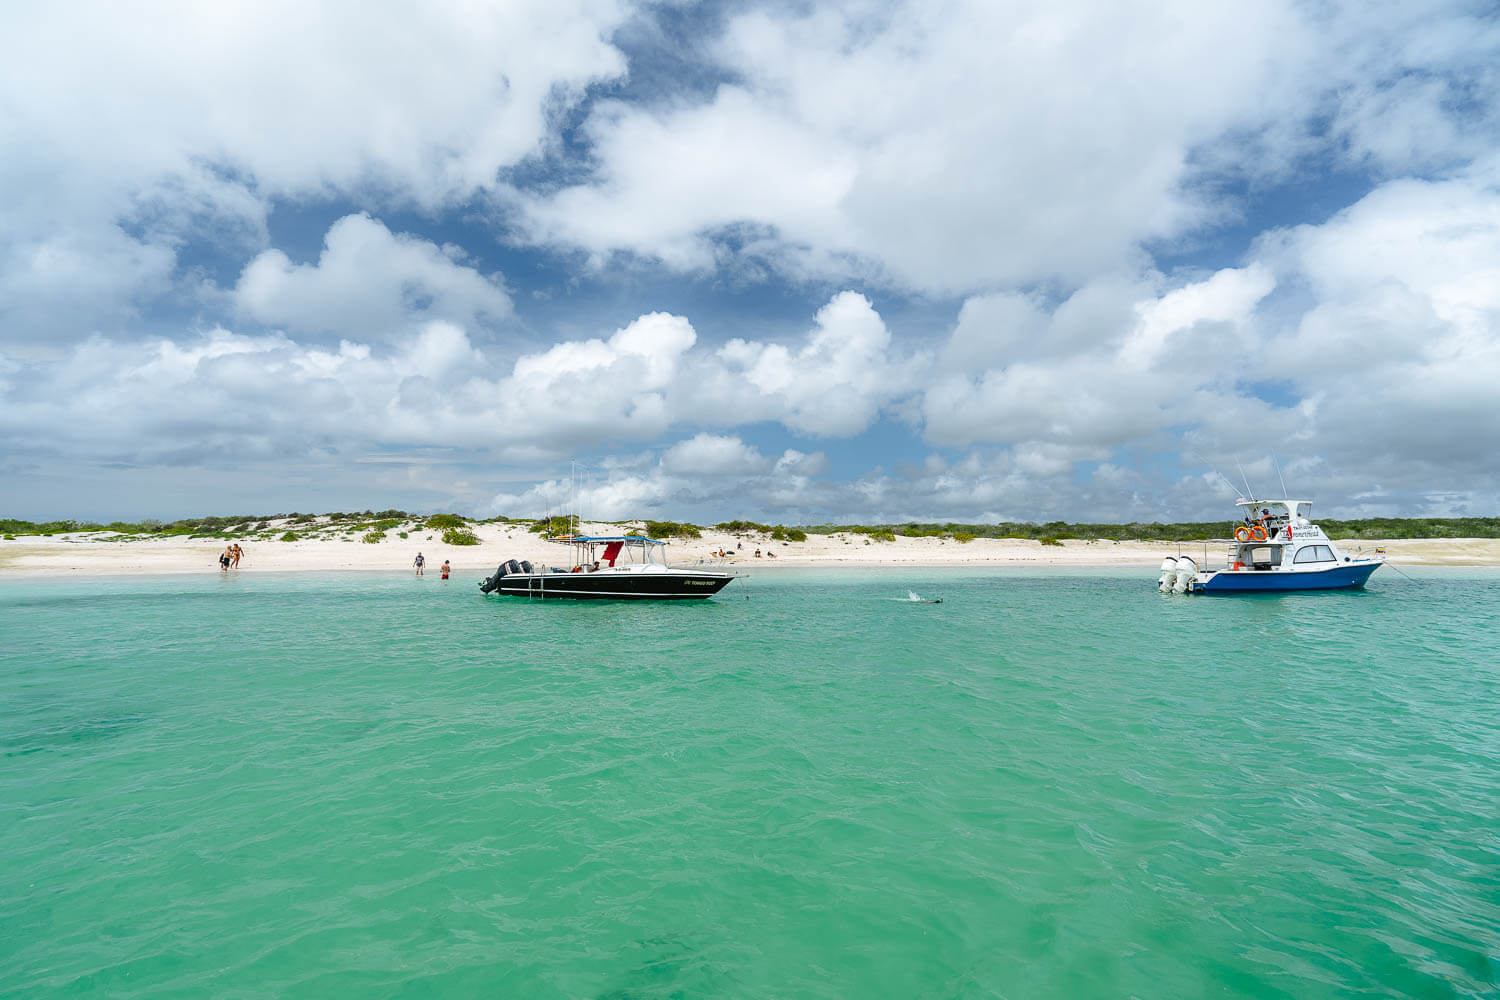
<point>419,562</point>
<point>445,569</point>
<point>236,554</point>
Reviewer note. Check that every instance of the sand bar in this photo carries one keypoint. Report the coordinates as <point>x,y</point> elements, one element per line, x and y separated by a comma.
<point>104,554</point>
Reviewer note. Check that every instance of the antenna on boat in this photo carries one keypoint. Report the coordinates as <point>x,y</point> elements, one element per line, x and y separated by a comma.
<point>1278,476</point>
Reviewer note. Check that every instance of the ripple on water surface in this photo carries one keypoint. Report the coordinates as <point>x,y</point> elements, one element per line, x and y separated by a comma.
<point>1049,785</point>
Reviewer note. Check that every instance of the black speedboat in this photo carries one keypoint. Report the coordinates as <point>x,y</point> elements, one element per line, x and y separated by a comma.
<point>628,569</point>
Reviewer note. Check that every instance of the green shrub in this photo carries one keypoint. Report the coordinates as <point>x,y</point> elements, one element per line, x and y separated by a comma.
<point>445,522</point>
<point>741,527</point>
<point>672,529</point>
<point>403,534</point>
<point>290,536</point>
<point>373,537</point>
<point>550,526</point>
<point>460,536</point>
<point>962,536</point>
<point>778,533</point>
<point>796,535</point>
<point>1049,540</point>
<point>10,538</point>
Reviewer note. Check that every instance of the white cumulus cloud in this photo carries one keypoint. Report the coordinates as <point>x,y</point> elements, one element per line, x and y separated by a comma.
<point>369,283</point>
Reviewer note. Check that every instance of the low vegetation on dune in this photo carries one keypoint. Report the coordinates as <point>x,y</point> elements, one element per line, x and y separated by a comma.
<point>742,527</point>
<point>460,536</point>
<point>551,527</point>
<point>673,529</point>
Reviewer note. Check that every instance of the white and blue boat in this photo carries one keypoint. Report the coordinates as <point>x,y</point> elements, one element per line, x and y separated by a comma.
<point>1275,548</point>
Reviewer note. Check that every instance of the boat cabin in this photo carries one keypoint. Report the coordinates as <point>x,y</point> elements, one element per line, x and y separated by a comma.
<point>1276,535</point>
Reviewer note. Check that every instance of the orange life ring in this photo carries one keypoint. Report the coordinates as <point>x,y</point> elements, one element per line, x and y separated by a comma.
<point>1258,533</point>
<point>1242,533</point>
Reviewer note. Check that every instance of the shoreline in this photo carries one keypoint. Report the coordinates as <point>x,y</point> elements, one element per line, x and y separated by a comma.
<point>101,554</point>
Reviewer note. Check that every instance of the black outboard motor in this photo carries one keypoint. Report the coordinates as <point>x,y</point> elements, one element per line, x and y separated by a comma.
<point>489,585</point>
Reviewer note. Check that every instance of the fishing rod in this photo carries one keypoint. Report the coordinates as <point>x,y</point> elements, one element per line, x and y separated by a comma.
<point>1249,493</point>
<point>1222,478</point>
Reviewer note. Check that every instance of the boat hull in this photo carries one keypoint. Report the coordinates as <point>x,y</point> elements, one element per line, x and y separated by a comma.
<point>1345,577</point>
<point>613,586</point>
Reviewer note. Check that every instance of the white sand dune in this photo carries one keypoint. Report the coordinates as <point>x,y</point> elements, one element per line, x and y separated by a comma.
<point>103,554</point>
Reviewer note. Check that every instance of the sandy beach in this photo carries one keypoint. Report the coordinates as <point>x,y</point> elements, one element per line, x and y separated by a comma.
<point>106,554</point>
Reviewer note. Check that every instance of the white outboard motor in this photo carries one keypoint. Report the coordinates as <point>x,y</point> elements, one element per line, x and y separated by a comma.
<point>1186,570</point>
<point>1168,575</point>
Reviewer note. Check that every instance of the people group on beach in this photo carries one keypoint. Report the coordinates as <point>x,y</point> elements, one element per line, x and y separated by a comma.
<point>230,558</point>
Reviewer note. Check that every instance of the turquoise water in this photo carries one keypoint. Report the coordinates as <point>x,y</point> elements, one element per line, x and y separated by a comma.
<point>1049,786</point>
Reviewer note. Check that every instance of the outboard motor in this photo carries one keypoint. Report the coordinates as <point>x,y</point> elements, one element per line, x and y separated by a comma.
<point>489,585</point>
<point>1186,570</point>
<point>512,567</point>
<point>1168,575</point>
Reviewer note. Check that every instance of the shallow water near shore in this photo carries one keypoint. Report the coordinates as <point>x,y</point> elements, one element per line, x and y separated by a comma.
<point>1050,785</point>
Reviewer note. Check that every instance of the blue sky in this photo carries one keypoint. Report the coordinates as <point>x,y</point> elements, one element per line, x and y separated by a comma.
<point>794,262</point>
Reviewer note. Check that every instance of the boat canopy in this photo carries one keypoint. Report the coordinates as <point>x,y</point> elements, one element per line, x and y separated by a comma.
<point>623,539</point>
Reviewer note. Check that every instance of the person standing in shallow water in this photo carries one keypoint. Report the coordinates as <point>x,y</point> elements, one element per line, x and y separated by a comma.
<point>445,569</point>
<point>224,559</point>
<point>419,562</point>
<point>235,553</point>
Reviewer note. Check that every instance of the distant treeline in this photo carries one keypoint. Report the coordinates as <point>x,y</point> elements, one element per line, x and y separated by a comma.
<point>1364,528</point>
<point>1370,527</point>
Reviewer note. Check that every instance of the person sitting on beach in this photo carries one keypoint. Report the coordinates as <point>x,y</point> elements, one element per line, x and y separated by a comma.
<point>757,553</point>
<point>770,554</point>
